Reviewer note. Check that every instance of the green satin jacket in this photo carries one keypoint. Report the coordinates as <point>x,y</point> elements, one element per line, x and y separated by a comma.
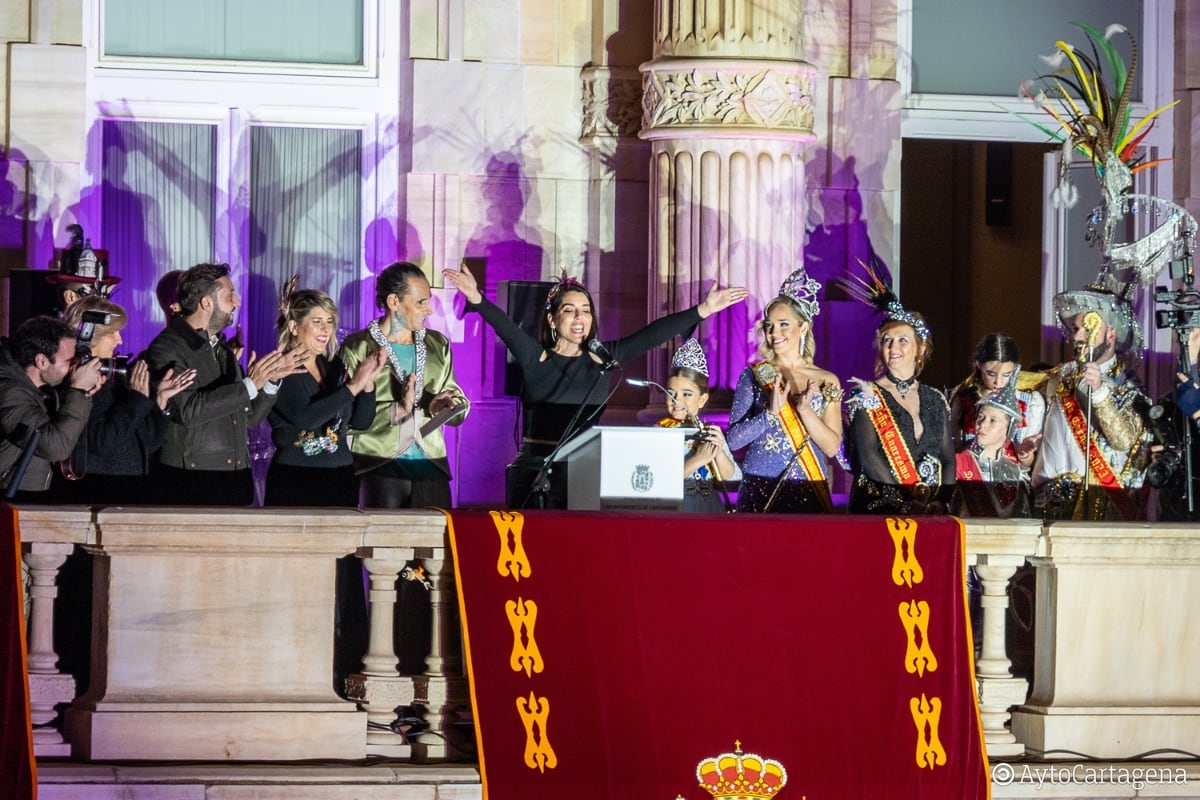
<point>380,443</point>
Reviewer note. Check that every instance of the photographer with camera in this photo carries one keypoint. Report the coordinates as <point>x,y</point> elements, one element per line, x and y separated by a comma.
<point>39,357</point>
<point>126,425</point>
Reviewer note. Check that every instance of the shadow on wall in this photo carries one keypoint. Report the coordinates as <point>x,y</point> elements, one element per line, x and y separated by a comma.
<point>837,238</point>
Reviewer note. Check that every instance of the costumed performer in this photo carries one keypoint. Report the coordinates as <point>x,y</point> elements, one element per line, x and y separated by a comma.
<point>990,483</point>
<point>996,362</point>
<point>565,384</point>
<point>708,463</point>
<point>787,410</point>
<point>899,445</point>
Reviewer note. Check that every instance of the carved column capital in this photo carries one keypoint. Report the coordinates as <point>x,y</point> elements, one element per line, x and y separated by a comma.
<point>685,98</point>
<point>612,103</point>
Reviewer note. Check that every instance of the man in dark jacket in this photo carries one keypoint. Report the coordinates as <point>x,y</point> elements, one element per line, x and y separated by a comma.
<point>204,459</point>
<point>41,355</point>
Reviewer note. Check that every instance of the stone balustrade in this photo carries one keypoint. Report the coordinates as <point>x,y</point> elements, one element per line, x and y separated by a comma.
<point>213,635</point>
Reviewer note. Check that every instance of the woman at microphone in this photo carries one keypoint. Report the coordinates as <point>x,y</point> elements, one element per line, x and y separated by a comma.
<point>565,381</point>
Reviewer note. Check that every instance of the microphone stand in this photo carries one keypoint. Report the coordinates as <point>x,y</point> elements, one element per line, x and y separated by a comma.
<point>783,475</point>
<point>695,422</point>
<point>541,481</point>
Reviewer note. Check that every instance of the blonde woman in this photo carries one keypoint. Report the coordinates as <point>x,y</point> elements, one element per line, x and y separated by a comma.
<point>312,465</point>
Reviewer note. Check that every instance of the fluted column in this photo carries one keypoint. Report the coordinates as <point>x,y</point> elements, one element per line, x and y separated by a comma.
<point>380,688</point>
<point>442,689</point>
<point>48,686</point>
<point>727,107</point>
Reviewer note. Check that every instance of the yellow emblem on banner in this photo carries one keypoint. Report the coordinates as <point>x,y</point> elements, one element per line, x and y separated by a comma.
<point>918,655</point>
<point>539,754</point>
<point>522,616</point>
<point>926,715</point>
<point>906,569</point>
<point>512,560</point>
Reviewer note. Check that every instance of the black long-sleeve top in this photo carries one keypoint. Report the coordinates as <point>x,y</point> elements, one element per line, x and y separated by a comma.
<point>553,389</point>
<point>866,450</point>
<point>124,429</point>
<point>304,406</point>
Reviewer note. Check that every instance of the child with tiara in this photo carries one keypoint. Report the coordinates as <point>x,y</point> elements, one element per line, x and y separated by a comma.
<point>708,463</point>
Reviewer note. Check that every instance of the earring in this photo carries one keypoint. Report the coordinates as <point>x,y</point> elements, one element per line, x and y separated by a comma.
<point>803,341</point>
<point>554,334</point>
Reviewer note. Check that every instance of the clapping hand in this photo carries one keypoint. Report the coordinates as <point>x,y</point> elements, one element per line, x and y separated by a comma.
<point>365,373</point>
<point>779,394</point>
<point>276,365</point>
<point>170,385</point>
<point>443,400</point>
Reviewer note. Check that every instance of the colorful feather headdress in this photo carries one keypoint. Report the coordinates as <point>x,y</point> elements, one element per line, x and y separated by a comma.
<point>1094,114</point>
<point>874,287</point>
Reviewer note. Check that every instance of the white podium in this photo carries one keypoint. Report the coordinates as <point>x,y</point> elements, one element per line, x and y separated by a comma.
<point>629,468</point>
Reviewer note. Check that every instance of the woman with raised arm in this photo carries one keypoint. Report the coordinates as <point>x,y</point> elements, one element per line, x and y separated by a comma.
<point>565,382</point>
<point>312,465</point>
<point>787,410</point>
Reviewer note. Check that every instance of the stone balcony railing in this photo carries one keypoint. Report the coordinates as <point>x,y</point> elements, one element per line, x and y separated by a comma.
<point>213,637</point>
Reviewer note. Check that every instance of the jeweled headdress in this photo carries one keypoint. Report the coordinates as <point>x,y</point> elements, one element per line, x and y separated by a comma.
<point>690,355</point>
<point>803,290</point>
<point>1092,112</point>
<point>565,283</point>
<point>874,287</point>
<point>1005,398</point>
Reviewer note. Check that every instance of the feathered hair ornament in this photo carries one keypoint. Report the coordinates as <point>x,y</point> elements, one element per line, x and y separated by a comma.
<point>874,287</point>
<point>1093,115</point>
<point>285,296</point>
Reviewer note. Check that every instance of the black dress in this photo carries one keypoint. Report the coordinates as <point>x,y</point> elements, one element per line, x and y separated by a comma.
<point>556,389</point>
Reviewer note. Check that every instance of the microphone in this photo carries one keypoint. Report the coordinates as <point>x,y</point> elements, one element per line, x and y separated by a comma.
<point>609,362</point>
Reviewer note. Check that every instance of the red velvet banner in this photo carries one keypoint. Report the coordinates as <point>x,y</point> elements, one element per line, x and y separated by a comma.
<point>18,772</point>
<point>610,654</point>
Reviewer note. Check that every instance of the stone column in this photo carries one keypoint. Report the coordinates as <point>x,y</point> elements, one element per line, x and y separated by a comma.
<point>48,686</point>
<point>727,108</point>
<point>999,691</point>
<point>380,688</point>
<point>442,689</point>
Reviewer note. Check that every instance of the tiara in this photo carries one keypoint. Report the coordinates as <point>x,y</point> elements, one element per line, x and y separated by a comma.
<point>875,289</point>
<point>564,283</point>
<point>690,355</point>
<point>803,290</point>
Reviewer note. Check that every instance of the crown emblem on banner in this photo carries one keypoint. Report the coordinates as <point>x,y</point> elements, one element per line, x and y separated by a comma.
<point>741,776</point>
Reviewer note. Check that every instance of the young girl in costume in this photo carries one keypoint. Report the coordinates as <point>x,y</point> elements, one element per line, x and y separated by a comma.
<point>990,482</point>
<point>707,461</point>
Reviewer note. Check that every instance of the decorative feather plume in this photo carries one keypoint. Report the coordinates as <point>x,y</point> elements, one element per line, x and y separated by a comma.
<point>874,287</point>
<point>1092,109</point>
<point>285,295</point>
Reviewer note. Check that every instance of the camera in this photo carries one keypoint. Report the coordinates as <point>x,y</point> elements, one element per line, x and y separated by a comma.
<point>117,365</point>
<point>1184,311</point>
<point>1164,425</point>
